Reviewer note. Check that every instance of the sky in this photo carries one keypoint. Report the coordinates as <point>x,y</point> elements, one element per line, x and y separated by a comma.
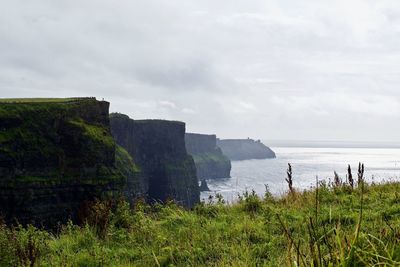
<point>267,69</point>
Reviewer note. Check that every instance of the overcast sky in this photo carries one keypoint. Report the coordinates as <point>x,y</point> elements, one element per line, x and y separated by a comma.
<point>288,69</point>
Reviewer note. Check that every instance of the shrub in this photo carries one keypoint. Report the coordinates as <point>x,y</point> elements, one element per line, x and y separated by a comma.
<point>27,244</point>
<point>98,216</point>
<point>251,202</point>
<point>122,216</point>
<point>206,210</point>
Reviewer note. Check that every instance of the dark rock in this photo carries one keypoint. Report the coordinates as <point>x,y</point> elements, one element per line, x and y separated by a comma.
<point>158,147</point>
<point>204,186</point>
<point>210,162</point>
<point>242,149</point>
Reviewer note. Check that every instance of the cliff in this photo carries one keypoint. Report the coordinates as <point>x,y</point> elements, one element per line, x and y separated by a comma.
<point>210,162</point>
<point>55,154</point>
<point>242,149</point>
<point>158,147</point>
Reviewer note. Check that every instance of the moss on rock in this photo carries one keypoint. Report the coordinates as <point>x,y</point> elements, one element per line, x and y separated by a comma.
<point>210,162</point>
<point>54,155</point>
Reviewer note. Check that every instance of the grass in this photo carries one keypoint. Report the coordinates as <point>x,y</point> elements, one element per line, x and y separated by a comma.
<point>336,226</point>
<point>43,100</point>
<point>215,157</point>
<point>125,161</point>
<point>97,133</point>
<point>209,156</point>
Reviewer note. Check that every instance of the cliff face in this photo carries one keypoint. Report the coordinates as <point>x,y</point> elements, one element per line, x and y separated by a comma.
<point>55,154</point>
<point>241,149</point>
<point>158,147</point>
<point>210,162</point>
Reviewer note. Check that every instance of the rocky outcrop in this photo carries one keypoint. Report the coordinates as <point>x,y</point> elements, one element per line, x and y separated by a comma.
<point>242,149</point>
<point>204,186</point>
<point>55,154</point>
<point>158,147</point>
<point>210,162</point>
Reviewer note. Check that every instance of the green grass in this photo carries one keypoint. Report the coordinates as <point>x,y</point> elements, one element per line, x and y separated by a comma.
<point>124,161</point>
<point>302,228</point>
<point>208,157</point>
<point>43,100</point>
<point>94,132</point>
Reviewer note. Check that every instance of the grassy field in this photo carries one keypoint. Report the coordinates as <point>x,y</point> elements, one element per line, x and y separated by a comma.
<point>330,226</point>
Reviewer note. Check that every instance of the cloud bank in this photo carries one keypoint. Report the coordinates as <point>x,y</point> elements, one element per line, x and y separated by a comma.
<point>304,70</point>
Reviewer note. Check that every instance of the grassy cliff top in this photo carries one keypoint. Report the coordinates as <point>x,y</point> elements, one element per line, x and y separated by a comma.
<point>202,135</point>
<point>29,107</point>
<point>159,121</point>
<point>44,100</point>
<point>117,115</point>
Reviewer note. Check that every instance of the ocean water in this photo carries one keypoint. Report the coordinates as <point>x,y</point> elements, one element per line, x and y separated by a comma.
<point>381,164</point>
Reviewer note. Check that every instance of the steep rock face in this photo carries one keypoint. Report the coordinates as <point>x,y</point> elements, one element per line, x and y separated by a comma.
<point>158,147</point>
<point>210,162</point>
<point>242,149</point>
<point>55,154</point>
<point>134,178</point>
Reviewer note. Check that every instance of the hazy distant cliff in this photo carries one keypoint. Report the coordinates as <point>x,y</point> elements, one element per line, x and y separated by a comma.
<point>210,162</point>
<point>54,155</point>
<point>158,147</point>
<point>241,149</point>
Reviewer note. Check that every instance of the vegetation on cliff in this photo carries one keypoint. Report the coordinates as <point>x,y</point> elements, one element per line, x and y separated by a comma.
<point>209,157</point>
<point>54,155</point>
<point>210,162</point>
<point>45,100</point>
<point>55,136</point>
<point>331,226</point>
<point>212,165</point>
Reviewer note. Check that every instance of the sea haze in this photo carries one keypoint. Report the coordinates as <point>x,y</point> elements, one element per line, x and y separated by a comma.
<point>381,164</point>
<point>331,144</point>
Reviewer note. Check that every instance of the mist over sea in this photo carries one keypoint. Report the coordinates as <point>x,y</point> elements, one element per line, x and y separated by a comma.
<point>381,164</point>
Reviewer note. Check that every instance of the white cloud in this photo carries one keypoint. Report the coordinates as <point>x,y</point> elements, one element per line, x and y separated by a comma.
<point>167,104</point>
<point>329,104</point>
<point>188,111</point>
<point>247,106</point>
<point>236,68</point>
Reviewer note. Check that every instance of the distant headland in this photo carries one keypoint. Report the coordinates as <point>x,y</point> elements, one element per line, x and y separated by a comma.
<point>242,149</point>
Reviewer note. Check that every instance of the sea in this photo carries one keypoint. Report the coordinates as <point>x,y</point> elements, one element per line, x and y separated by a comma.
<point>310,163</point>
